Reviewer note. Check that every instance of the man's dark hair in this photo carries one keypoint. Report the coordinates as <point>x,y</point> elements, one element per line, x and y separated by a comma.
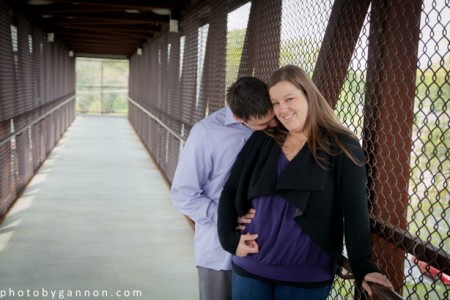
<point>248,97</point>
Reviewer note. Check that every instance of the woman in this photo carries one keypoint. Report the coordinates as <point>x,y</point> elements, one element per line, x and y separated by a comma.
<point>303,179</point>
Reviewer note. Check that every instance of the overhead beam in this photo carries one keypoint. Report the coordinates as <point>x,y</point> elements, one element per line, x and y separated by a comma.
<point>98,32</point>
<point>129,17</point>
<point>77,9</point>
<point>173,4</point>
<point>89,38</point>
<point>121,27</point>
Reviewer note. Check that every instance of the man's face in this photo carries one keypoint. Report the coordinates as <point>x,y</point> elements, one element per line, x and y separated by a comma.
<point>261,123</point>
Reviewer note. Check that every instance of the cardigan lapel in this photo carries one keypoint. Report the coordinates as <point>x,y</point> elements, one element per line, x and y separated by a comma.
<point>302,173</point>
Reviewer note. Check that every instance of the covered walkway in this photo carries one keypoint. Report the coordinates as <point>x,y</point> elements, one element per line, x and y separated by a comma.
<point>98,217</point>
<point>103,213</point>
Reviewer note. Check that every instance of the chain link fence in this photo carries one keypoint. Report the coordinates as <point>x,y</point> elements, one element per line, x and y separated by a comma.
<point>383,65</point>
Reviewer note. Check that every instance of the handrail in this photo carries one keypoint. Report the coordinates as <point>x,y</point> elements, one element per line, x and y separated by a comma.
<point>384,292</point>
<point>182,139</point>
<point>378,289</point>
<point>407,242</point>
<point>25,127</point>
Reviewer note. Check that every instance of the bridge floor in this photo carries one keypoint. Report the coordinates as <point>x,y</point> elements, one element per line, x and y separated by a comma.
<point>97,218</point>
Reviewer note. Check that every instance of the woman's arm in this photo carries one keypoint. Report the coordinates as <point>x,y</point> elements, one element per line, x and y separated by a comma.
<point>227,215</point>
<point>352,188</point>
<point>229,231</point>
<point>232,198</point>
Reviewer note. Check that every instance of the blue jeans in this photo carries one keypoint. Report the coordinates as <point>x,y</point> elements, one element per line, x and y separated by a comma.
<point>247,288</point>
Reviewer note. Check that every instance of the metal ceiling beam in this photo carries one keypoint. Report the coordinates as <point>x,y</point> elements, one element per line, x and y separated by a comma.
<point>136,4</point>
<point>125,17</point>
<point>114,27</point>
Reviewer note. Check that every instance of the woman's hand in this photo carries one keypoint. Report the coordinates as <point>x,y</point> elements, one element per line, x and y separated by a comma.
<point>376,278</point>
<point>247,245</point>
<point>245,219</point>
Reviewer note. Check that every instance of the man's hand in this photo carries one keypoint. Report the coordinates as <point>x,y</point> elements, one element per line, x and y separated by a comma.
<point>245,219</point>
<point>247,245</point>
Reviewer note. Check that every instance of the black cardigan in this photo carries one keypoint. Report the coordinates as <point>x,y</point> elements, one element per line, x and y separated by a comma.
<point>324,198</point>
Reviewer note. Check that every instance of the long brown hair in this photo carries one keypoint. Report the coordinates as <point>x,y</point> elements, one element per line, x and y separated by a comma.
<point>321,124</point>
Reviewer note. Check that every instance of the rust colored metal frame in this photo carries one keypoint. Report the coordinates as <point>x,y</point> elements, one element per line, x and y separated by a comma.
<point>264,32</point>
<point>338,46</point>
<point>381,104</point>
<point>384,144</point>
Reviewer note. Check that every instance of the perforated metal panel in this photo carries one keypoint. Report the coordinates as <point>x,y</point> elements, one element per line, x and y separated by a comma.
<point>37,81</point>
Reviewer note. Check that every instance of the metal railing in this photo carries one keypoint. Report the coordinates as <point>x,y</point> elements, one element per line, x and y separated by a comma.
<point>381,291</point>
<point>27,126</point>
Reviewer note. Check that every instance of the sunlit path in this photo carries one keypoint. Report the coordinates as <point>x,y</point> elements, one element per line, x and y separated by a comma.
<point>98,217</point>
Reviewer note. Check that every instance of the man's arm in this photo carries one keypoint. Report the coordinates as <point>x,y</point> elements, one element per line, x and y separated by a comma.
<point>190,177</point>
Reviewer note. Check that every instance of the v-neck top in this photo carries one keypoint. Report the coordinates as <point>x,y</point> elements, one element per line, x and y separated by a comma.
<point>323,198</point>
<point>286,253</point>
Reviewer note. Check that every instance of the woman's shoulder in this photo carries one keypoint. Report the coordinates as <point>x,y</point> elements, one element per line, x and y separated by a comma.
<point>259,136</point>
<point>348,138</point>
<point>353,145</point>
<point>343,141</point>
<point>257,140</point>
<point>344,137</point>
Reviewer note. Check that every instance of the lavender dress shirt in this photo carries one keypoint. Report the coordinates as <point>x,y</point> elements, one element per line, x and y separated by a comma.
<point>202,170</point>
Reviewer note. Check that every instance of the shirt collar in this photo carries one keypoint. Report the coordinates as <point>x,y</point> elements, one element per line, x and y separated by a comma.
<point>229,117</point>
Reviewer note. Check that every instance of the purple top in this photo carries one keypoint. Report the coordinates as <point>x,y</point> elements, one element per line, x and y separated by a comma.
<point>286,253</point>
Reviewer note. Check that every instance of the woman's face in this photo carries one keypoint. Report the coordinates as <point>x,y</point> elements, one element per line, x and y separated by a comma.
<point>289,105</point>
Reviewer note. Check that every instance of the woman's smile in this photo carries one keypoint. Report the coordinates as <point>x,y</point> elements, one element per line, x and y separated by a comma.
<point>289,105</point>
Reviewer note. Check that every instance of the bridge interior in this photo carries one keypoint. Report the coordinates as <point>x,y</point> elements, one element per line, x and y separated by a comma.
<point>383,66</point>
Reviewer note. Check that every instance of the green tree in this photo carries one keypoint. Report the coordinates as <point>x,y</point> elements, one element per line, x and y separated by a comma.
<point>302,52</point>
<point>102,85</point>
<point>235,46</point>
<point>430,173</point>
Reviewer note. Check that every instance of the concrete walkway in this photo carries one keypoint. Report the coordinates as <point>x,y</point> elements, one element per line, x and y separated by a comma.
<point>97,219</point>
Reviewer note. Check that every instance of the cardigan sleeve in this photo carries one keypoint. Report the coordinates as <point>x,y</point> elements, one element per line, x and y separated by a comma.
<point>354,200</point>
<point>233,194</point>
<point>227,215</point>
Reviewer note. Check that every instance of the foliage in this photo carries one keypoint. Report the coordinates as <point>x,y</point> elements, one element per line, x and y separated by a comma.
<point>430,159</point>
<point>429,207</point>
<point>235,46</point>
<point>102,86</point>
<point>301,52</point>
<point>349,108</point>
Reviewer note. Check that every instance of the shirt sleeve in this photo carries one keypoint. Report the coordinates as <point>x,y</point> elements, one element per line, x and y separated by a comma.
<point>191,175</point>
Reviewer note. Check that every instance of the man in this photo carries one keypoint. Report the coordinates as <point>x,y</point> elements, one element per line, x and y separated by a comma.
<point>203,167</point>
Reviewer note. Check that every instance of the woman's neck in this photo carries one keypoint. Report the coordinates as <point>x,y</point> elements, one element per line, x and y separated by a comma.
<point>293,144</point>
<point>300,135</point>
